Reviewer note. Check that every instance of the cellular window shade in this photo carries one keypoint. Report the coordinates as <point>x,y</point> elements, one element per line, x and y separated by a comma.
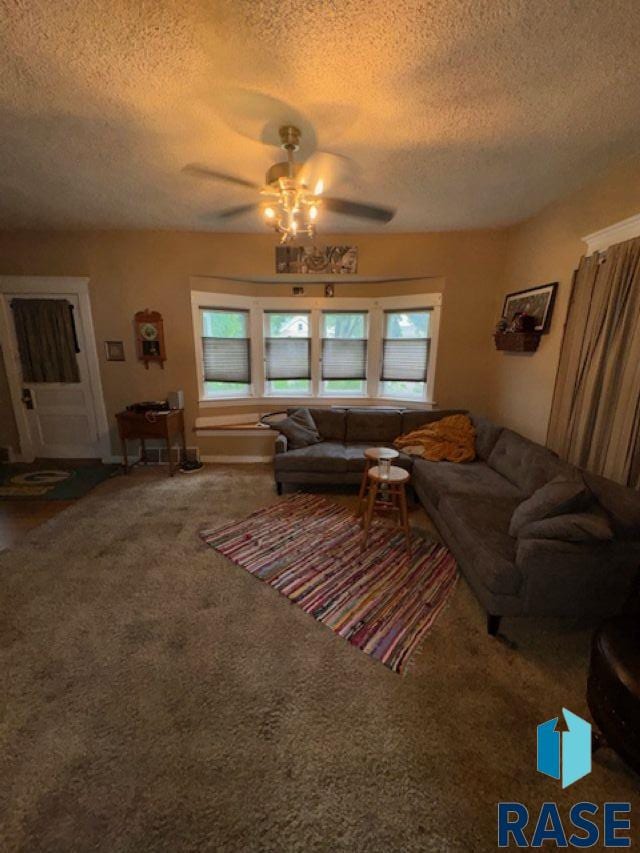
<point>405,359</point>
<point>226,360</point>
<point>288,358</point>
<point>344,358</point>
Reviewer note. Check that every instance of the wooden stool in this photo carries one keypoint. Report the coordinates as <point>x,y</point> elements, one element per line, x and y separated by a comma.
<point>396,503</point>
<point>371,456</point>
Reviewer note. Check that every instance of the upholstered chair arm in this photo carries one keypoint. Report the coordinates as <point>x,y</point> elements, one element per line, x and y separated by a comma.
<point>281,443</point>
<point>575,578</point>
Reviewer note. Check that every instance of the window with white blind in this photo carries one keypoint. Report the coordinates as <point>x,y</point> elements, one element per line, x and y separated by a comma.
<point>344,352</point>
<point>334,351</point>
<point>405,354</point>
<point>226,352</point>
<point>287,352</point>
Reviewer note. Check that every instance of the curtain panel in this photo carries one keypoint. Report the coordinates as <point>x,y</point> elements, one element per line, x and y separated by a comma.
<point>595,418</point>
<point>46,340</point>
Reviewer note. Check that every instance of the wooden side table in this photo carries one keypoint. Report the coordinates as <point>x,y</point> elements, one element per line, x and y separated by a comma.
<point>371,456</point>
<point>396,503</point>
<point>167,425</point>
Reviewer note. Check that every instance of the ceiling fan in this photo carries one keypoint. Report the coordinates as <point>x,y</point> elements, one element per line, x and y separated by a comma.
<point>290,204</point>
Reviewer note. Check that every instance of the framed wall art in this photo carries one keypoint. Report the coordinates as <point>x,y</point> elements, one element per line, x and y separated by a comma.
<point>114,350</point>
<point>314,260</point>
<point>538,302</point>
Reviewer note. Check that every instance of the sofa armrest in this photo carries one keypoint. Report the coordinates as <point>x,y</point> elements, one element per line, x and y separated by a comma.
<point>577,578</point>
<point>281,443</point>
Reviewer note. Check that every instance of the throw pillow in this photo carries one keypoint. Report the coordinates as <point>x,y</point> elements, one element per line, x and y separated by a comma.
<point>557,497</point>
<point>571,527</point>
<point>299,428</point>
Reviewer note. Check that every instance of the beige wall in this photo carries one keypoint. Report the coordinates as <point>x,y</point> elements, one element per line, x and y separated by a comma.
<point>130,271</point>
<point>548,248</point>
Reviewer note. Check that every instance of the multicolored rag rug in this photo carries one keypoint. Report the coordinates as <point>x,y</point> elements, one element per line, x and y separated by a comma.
<point>381,599</point>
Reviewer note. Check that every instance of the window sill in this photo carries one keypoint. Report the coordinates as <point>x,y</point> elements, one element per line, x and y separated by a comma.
<point>258,402</point>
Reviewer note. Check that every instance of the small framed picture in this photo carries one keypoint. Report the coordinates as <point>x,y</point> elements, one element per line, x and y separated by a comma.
<point>114,350</point>
<point>535,301</point>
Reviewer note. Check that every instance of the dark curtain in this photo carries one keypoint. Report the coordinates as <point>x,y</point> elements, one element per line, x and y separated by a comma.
<point>46,340</point>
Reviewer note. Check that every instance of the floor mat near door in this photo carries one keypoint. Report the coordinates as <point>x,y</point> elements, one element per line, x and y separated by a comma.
<point>57,481</point>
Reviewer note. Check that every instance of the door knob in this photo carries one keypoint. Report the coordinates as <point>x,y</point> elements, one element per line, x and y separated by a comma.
<point>27,399</point>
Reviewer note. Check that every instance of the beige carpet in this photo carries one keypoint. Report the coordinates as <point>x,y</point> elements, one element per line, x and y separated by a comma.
<point>156,697</point>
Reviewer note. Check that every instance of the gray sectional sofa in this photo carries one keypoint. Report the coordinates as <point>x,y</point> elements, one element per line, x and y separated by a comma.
<point>472,506</point>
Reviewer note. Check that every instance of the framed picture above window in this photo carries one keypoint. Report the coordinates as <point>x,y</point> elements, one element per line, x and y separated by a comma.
<point>536,301</point>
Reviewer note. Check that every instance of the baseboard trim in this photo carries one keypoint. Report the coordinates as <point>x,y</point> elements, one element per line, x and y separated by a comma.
<point>229,460</point>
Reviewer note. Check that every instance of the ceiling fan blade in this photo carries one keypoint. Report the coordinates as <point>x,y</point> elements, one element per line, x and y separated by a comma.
<point>258,116</point>
<point>356,208</point>
<point>198,171</point>
<point>232,212</point>
<point>325,169</point>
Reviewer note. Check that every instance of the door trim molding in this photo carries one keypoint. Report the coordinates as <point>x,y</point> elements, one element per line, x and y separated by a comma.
<point>52,286</point>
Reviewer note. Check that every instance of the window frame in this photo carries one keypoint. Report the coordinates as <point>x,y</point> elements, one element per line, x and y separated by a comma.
<point>416,309</point>
<point>266,391</point>
<point>230,395</point>
<point>257,306</point>
<point>324,392</point>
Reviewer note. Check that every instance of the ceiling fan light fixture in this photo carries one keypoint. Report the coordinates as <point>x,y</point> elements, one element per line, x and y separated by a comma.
<point>289,206</point>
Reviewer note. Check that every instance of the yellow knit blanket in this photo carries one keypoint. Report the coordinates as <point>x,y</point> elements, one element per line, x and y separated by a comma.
<point>451,438</point>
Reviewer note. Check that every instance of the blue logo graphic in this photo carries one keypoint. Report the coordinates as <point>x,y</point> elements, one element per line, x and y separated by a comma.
<point>567,754</point>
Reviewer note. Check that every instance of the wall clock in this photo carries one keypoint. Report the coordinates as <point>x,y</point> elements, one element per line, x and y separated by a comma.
<point>150,337</point>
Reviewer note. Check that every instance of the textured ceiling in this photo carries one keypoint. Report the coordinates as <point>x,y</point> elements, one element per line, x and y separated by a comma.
<point>460,113</point>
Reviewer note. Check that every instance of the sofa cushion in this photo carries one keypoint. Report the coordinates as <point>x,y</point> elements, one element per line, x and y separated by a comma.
<point>480,527</point>
<point>571,527</point>
<point>415,418</point>
<point>487,434</point>
<point>373,425</point>
<point>557,497</point>
<point>438,480</point>
<point>328,457</point>
<point>356,459</point>
<point>299,429</point>
<point>621,504</point>
<point>331,423</point>
<point>524,463</point>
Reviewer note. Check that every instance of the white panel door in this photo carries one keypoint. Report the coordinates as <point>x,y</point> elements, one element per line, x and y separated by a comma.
<point>61,415</point>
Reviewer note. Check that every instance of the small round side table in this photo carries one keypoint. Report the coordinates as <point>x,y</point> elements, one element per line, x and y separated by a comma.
<point>396,501</point>
<point>372,455</point>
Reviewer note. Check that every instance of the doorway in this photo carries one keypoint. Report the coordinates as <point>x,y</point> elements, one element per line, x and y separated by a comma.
<point>55,419</point>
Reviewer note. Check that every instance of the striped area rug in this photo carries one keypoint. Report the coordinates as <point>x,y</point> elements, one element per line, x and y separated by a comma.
<point>381,600</point>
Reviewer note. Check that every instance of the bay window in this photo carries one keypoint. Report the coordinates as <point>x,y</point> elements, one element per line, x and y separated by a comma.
<point>253,349</point>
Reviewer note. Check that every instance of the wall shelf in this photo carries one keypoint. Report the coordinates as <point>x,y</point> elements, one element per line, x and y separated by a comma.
<point>517,341</point>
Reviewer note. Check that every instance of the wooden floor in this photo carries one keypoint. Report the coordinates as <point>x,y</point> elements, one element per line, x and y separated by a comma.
<point>18,517</point>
